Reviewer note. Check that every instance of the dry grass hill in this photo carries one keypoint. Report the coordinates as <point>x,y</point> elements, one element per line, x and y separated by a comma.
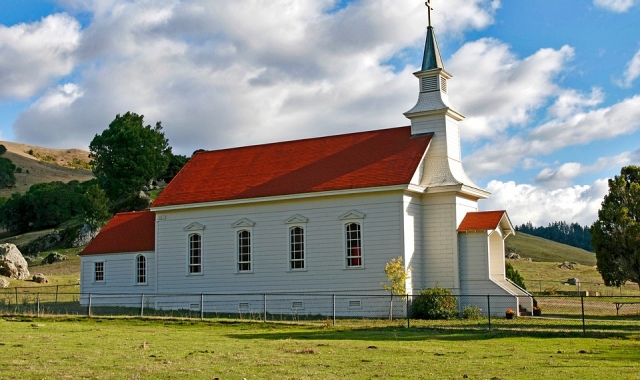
<point>40,164</point>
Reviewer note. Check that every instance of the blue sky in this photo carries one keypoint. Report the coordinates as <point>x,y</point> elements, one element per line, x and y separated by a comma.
<point>550,88</point>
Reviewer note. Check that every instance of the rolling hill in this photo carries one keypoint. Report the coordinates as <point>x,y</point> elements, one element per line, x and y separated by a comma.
<point>40,164</point>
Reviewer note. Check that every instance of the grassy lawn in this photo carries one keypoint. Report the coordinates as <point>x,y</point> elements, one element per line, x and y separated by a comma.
<point>75,348</point>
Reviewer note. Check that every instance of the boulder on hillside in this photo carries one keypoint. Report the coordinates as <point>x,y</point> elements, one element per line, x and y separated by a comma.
<point>40,278</point>
<point>573,281</point>
<point>566,265</point>
<point>12,264</point>
<point>53,257</point>
<point>4,283</point>
<point>84,236</point>
<point>512,256</point>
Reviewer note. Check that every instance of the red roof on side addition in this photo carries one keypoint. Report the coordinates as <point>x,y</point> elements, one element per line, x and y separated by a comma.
<point>483,220</point>
<point>125,232</point>
<point>357,160</point>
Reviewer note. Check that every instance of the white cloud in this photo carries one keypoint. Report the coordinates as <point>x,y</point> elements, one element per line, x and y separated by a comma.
<point>528,203</point>
<point>496,89</point>
<point>565,174</point>
<point>33,56</point>
<point>578,129</point>
<point>632,72</point>
<point>220,74</point>
<point>570,102</point>
<point>59,98</point>
<point>614,5</point>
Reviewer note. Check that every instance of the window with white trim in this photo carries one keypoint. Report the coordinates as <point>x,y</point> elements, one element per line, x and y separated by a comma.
<point>98,271</point>
<point>195,253</point>
<point>141,269</point>
<point>296,248</point>
<point>353,235</point>
<point>244,251</point>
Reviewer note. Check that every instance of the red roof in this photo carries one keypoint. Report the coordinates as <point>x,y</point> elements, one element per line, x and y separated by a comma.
<point>482,221</point>
<point>125,232</point>
<point>357,160</point>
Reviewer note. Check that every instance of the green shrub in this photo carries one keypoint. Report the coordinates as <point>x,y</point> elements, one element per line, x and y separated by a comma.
<point>471,312</point>
<point>434,303</point>
<point>515,276</point>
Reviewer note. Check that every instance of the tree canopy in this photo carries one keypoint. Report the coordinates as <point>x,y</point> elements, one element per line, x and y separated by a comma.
<point>44,205</point>
<point>128,155</point>
<point>616,233</point>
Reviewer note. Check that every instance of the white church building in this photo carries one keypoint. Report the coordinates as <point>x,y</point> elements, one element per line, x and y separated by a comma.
<point>321,215</point>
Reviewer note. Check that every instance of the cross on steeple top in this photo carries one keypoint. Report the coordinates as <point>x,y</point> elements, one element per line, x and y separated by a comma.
<point>429,9</point>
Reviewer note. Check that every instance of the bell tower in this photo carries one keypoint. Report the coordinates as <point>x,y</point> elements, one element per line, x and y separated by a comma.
<point>433,113</point>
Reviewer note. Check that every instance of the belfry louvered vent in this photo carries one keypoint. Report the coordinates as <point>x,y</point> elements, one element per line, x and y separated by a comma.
<point>429,84</point>
<point>443,84</point>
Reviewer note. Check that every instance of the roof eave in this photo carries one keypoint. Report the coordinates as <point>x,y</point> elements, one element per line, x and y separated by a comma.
<point>283,197</point>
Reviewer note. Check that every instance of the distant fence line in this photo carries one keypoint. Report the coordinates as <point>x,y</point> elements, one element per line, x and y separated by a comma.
<point>582,312</point>
<point>554,287</point>
<point>21,291</point>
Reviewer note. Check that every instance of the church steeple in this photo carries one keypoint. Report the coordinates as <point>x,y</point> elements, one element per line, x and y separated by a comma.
<point>434,114</point>
<point>433,94</point>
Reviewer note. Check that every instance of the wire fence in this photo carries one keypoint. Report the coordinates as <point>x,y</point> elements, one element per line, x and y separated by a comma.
<point>574,287</point>
<point>578,313</point>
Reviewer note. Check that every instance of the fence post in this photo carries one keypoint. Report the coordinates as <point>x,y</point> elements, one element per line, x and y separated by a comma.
<point>38,307</point>
<point>16,289</point>
<point>57,289</point>
<point>334,310</point>
<point>489,309</point>
<point>265,307</point>
<point>89,307</point>
<point>408,316</point>
<point>201,306</point>
<point>540,286</point>
<point>142,305</point>
<point>582,302</point>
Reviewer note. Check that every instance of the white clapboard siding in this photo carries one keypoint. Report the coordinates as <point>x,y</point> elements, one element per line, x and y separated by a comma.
<point>325,259</point>
<point>119,273</point>
<point>413,250</point>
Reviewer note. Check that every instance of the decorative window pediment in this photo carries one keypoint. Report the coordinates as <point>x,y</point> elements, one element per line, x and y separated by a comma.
<point>194,227</point>
<point>244,222</point>
<point>353,214</point>
<point>296,219</point>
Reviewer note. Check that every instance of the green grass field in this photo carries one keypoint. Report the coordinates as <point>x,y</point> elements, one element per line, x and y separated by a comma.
<point>177,349</point>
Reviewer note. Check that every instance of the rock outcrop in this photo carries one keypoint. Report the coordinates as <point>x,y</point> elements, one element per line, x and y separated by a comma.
<point>53,257</point>
<point>40,278</point>
<point>12,264</point>
<point>4,283</point>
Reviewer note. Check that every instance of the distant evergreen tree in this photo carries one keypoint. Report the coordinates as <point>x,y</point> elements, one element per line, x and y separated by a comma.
<point>7,168</point>
<point>572,234</point>
<point>515,276</point>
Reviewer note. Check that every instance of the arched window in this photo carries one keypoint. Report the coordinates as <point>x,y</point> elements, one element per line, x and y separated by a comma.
<point>195,253</point>
<point>141,269</point>
<point>354,245</point>
<point>296,248</point>
<point>244,251</point>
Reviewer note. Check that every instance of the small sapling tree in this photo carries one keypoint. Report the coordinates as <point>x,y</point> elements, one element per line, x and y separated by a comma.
<point>397,275</point>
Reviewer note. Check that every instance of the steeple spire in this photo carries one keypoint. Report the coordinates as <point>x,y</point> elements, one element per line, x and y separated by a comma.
<point>431,59</point>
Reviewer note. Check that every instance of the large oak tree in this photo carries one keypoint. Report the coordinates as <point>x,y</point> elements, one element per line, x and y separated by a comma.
<point>616,233</point>
<point>128,155</point>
